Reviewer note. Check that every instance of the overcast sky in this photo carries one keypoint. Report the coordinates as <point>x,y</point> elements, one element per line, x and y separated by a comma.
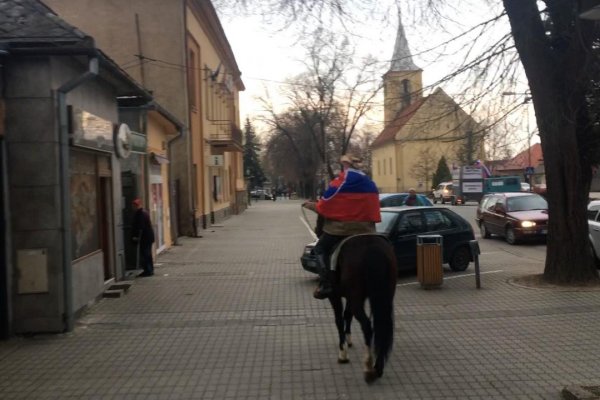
<point>267,53</point>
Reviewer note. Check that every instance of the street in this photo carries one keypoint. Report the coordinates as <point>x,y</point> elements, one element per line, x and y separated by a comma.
<point>230,316</point>
<point>534,250</point>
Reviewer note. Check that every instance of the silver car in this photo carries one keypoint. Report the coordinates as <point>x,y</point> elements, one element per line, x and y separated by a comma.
<point>594,228</point>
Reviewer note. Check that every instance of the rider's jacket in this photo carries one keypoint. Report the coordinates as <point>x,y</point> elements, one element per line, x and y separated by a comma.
<point>352,196</point>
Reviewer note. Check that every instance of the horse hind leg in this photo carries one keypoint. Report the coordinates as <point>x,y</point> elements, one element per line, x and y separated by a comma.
<point>365,324</point>
<point>347,324</point>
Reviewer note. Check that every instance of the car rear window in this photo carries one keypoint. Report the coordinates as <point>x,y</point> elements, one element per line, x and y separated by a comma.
<point>387,219</point>
<point>591,214</point>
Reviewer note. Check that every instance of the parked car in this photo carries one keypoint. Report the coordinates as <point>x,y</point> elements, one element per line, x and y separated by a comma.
<point>525,187</point>
<point>402,225</point>
<point>261,194</point>
<point>443,193</point>
<point>594,229</point>
<point>397,199</point>
<point>515,216</point>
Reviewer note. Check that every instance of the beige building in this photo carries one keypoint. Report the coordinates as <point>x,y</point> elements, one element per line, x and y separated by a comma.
<point>419,129</point>
<point>178,50</point>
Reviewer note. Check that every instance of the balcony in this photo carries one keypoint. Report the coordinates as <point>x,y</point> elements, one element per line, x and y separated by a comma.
<point>226,138</point>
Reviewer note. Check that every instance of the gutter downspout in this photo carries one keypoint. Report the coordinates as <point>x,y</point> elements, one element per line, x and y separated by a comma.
<point>174,226</point>
<point>63,119</point>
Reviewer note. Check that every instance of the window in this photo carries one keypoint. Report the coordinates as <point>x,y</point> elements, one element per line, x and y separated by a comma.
<point>192,79</point>
<point>436,220</point>
<point>591,214</point>
<point>387,220</point>
<point>410,223</point>
<point>491,204</point>
<point>391,165</point>
<point>378,167</point>
<point>525,203</point>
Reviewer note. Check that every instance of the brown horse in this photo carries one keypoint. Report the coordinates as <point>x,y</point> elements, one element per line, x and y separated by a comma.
<point>366,269</point>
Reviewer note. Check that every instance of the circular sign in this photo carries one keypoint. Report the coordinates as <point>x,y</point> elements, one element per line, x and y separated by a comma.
<point>122,138</point>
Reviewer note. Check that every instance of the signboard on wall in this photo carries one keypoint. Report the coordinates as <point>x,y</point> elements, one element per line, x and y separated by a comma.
<point>216,160</point>
<point>472,173</point>
<point>92,131</point>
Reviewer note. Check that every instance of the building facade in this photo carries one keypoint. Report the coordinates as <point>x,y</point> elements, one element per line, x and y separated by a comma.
<point>178,50</point>
<point>62,169</point>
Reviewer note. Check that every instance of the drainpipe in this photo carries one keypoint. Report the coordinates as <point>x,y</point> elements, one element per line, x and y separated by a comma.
<point>174,227</point>
<point>65,185</point>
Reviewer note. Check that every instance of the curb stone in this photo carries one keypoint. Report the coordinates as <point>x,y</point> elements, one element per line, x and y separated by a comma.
<point>581,393</point>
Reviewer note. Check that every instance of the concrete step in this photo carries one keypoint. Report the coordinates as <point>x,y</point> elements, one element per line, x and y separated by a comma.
<point>113,293</point>
<point>125,285</point>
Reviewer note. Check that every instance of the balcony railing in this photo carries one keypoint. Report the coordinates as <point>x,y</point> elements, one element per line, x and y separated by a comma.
<point>227,138</point>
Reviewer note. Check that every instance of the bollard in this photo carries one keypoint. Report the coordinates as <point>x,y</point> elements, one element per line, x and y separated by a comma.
<point>475,252</point>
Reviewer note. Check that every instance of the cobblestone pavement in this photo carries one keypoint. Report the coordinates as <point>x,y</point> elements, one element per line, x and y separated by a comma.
<point>231,316</point>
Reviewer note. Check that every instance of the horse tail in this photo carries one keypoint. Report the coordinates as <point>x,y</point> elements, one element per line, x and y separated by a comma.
<point>380,271</point>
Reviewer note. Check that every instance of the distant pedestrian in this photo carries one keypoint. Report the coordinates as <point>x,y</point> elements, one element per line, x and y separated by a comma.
<point>412,199</point>
<point>143,235</point>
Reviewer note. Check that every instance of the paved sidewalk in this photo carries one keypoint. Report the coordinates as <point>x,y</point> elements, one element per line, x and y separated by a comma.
<point>231,316</point>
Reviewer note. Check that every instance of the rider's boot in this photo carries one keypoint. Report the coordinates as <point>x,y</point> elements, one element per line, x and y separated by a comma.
<point>324,289</point>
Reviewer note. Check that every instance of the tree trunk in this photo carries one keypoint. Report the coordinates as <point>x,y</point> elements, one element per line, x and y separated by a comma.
<point>554,73</point>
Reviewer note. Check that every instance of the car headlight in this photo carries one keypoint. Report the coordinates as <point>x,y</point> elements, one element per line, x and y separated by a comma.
<point>527,224</point>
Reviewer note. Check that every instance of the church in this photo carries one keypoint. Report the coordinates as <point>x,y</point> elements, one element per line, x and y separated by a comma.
<point>418,129</point>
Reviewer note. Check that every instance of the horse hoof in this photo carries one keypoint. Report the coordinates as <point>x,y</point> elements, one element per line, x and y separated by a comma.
<point>343,360</point>
<point>370,376</point>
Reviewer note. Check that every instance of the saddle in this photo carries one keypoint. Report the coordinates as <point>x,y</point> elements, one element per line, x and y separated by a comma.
<point>336,251</point>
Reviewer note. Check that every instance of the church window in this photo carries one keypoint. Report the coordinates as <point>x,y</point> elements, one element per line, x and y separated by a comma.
<point>406,93</point>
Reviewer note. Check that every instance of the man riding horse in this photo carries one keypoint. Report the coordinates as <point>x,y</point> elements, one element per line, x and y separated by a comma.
<point>349,206</point>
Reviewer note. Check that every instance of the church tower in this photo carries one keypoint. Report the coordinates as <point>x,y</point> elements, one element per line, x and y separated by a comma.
<point>403,83</point>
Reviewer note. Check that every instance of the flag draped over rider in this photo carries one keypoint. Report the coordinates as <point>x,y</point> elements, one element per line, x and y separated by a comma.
<point>352,196</point>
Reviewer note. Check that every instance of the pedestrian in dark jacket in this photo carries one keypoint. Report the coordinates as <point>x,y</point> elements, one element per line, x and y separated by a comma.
<point>143,235</point>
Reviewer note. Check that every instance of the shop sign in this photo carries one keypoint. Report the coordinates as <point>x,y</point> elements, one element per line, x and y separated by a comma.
<point>91,131</point>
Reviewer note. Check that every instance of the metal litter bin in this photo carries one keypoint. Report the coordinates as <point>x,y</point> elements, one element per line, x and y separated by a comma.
<point>430,272</point>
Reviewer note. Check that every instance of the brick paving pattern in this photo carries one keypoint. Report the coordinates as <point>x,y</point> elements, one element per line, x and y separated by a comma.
<point>230,316</point>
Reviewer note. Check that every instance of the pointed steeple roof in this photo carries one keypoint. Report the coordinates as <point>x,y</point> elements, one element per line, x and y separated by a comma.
<point>402,58</point>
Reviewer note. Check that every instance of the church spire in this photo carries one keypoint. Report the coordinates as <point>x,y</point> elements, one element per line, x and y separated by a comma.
<point>402,58</point>
<point>403,83</point>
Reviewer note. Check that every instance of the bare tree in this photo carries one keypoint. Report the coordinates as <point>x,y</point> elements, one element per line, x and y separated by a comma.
<point>423,171</point>
<point>328,101</point>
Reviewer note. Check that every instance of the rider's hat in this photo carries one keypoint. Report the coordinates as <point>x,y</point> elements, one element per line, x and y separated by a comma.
<point>351,159</point>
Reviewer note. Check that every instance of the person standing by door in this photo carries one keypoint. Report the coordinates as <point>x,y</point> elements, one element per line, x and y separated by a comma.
<point>143,235</point>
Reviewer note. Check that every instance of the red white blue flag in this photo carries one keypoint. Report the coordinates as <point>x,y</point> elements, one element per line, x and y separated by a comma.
<point>352,196</point>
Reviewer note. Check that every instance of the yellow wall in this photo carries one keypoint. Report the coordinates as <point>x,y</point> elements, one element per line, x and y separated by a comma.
<point>383,176</point>
<point>215,103</point>
<point>439,127</point>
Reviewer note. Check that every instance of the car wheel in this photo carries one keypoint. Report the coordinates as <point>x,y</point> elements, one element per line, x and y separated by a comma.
<point>434,200</point>
<point>484,231</point>
<point>510,236</point>
<point>442,200</point>
<point>460,259</point>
